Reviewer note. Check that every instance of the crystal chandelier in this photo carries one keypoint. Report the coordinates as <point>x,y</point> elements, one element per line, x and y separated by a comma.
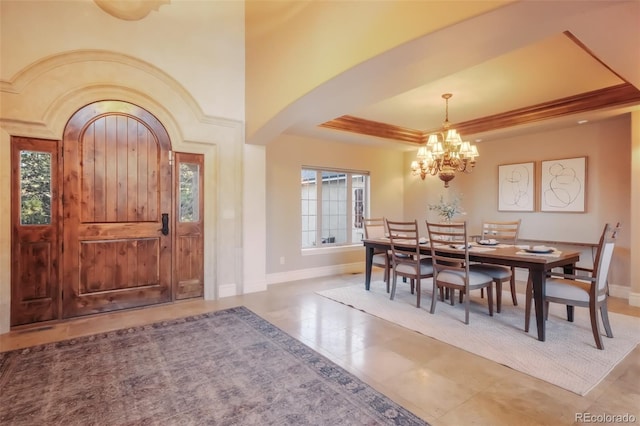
<point>445,153</point>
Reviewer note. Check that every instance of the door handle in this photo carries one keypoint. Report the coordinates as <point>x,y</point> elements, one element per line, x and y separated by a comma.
<point>165,223</point>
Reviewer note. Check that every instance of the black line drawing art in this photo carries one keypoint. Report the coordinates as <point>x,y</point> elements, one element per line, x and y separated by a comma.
<point>515,191</point>
<point>563,185</point>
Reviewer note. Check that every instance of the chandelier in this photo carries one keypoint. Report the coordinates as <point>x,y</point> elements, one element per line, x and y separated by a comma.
<point>445,153</point>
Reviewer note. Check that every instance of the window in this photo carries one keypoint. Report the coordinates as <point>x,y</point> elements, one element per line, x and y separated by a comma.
<point>333,207</point>
<point>35,188</point>
<point>189,197</point>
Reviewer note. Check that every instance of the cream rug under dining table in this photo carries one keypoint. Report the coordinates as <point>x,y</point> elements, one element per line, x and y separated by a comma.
<point>568,358</point>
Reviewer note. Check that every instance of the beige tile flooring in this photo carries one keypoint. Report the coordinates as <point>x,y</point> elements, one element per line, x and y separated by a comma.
<point>440,383</point>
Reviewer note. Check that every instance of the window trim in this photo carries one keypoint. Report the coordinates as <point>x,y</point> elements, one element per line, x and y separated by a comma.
<point>349,245</point>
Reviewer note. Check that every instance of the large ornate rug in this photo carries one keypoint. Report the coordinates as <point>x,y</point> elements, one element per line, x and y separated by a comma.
<point>229,367</point>
<point>568,357</point>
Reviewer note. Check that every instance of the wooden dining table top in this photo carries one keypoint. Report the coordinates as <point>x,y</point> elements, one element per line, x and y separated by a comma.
<point>503,254</point>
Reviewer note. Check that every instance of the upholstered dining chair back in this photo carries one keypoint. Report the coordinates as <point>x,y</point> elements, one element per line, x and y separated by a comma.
<point>588,291</point>
<point>602,263</point>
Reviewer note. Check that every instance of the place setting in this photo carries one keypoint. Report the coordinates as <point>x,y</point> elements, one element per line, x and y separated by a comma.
<point>538,250</point>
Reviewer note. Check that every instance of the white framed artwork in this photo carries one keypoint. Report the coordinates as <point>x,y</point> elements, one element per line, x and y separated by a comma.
<point>563,185</point>
<point>516,187</point>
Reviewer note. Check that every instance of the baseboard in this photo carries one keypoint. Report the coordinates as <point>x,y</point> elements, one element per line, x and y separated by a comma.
<point>623,292</point>
<point>634,299</point>
<point>324,271</point>
<point>254,286</point>
<point>227,290</point>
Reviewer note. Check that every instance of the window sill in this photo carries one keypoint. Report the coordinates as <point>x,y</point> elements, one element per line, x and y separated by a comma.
<point>331,249</point>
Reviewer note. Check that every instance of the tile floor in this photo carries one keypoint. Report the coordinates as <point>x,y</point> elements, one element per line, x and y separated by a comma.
<point>440,383</point>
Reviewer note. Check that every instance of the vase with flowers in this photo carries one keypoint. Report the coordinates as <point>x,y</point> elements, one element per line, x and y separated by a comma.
<point>447,210</point>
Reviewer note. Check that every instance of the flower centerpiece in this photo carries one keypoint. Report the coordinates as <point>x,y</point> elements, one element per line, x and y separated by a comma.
<point>447,210</point>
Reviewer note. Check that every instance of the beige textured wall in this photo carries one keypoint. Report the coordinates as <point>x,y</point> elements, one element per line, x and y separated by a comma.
<point>198,43</point>
<point>606,145</point>
<point>285,158</point>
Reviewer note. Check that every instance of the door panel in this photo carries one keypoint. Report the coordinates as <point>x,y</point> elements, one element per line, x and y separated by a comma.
<point>119,173</point>
<point>189,253</point>
<point>117,183</point>
<point>34,216</point>
<point>116,264</point>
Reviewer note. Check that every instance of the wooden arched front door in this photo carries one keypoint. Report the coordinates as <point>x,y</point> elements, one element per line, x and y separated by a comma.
<point>116,204</point>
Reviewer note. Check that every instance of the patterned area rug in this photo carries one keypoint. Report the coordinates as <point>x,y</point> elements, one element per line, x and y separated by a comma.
<point>568,358</point>
<point>228,367</point>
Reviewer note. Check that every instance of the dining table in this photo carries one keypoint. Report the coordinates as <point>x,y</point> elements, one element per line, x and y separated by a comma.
<point>538,264</point>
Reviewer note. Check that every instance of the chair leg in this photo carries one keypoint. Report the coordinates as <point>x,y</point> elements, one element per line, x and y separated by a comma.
<point>418,291</point>
<point>434,295</point>
<point>595,325</point>
<point>569,313</point>
<point>527,305</point>
<point>466,309</point>
<point>393,286</point>
<point>386,276</point>
<point>490,299</point>
<point>546,310</point>
<point>514,297</point>
<point>498,295</point>
<point>605,319</point>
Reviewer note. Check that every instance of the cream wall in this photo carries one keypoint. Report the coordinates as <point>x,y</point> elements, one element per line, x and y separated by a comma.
<point>285,158</point>
<point>606,144</point>
<point>183,63</point>
<point>198,43</point>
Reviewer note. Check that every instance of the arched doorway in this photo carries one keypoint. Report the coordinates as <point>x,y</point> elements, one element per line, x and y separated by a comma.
<point>131,217</point>
<point>117,202</point>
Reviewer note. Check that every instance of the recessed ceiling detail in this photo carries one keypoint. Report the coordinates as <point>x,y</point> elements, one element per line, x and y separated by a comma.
<point>615,96</point>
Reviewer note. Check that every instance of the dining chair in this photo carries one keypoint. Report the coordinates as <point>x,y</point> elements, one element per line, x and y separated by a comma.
<point>504,233</point>
<point>582,290</point>
<point>376,228</point>
<point>455,275</point>
<point>406,259</point>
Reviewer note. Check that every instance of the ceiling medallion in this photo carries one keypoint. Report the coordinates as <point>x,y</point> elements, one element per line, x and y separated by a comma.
<point>130,10</point>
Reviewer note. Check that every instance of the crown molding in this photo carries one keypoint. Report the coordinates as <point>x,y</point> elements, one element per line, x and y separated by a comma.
<point>613,96</point>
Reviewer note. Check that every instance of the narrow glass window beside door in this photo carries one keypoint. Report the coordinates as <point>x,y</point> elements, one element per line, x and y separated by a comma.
<point>35,188</point>
<point>333,206</point>
<point>189,196</point>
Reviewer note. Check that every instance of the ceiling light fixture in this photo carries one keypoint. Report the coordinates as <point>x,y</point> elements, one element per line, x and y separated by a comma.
<point>445,153</point>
